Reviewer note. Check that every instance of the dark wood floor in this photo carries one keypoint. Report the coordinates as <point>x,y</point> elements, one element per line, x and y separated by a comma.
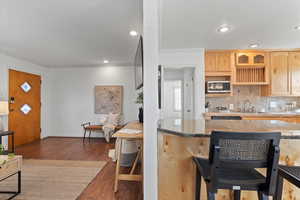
<point>101,188</point>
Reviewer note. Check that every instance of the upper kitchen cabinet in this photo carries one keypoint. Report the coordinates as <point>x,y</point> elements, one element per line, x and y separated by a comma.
<point>243,59</point>
<point>210,62</point>
<point>218,63</point>
<point>251,68</point>
<point>294,68</point>
<point>285,74</point>
<point>280,84</point>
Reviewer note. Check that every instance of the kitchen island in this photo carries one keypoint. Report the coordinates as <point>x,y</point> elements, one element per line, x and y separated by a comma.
<point>180,140</point>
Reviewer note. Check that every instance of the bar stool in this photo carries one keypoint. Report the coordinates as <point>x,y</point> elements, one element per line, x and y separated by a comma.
<point>289,173</point>
<point>232,163</point>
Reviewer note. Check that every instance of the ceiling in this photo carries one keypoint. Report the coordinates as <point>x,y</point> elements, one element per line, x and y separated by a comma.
<point>80,33</point>
<point>69,33</point>
<point>194,24</point>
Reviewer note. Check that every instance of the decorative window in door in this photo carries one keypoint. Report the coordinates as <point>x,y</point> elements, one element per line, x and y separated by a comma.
<point>25,109</point>
<point>26,87</point>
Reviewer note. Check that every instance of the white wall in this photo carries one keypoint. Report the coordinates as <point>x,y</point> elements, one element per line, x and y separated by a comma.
<point>73,99</point>
<point>8,62</point>
<point>178,58</point>
<point>173,74</point>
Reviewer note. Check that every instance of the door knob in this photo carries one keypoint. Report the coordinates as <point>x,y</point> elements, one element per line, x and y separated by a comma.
<point>12,100</point>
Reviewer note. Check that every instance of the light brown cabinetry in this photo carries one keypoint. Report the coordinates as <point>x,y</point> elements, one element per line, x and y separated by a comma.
<point>218,67</point>
<point>280,74</point>
<point>277,72</point>
<point>218,63</point>
<point>285,73</point>
<point>285,119</point>
<point>294,67</point>
<point>210,62</point>
<point>223,62</point>
<point>250,59</point>
<point>251,68</point>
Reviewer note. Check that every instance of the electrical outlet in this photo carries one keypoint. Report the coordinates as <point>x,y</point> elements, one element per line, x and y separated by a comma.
<point>273,104</point>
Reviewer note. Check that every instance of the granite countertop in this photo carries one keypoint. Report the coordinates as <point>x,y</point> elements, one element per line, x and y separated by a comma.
<point>203,128</point>
<point>259,114</point>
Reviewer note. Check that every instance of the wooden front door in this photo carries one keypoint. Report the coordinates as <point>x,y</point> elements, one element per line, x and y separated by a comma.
<point>25,106</point>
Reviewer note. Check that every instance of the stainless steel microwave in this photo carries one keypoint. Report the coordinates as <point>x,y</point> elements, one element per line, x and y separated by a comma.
<point>218,87</point>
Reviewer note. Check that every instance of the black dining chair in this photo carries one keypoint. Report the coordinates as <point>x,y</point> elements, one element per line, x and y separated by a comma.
<point>226,118</point>
<point>233,160</point>
<point>289,173</point>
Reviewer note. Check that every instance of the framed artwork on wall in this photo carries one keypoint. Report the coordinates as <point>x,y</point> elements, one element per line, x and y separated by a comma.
<point>108,99</point>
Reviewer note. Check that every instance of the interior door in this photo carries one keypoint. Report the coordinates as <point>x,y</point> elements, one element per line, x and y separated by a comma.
<point>280,74</point>
<point>294,63</point>
<point>25,106</point>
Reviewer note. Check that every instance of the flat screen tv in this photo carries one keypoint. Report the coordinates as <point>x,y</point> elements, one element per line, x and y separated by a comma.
<point>138,63</point>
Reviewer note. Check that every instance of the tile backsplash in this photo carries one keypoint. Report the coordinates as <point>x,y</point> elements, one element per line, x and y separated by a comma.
<point>242,94</point>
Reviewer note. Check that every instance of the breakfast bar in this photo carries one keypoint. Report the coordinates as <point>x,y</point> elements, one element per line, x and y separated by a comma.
<point>179,140</point>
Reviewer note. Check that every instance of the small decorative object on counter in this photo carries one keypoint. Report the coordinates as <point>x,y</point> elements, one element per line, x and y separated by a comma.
<point>140,100</point>
<point>141,115</point>
<point>207,104</point>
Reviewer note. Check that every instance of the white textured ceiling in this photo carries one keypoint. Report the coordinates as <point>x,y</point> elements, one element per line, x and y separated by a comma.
<point>193,23</point>
<point>69,33</point>
<point>75,33</point>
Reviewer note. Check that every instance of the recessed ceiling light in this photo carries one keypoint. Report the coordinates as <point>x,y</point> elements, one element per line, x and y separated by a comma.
<point>253,45</point>
<point>133,33</point>
<point>105,61</point>
<point>223,29</point>
<point>297,27</point>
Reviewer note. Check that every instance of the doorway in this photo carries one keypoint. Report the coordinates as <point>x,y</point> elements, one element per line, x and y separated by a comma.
<point>25,106</point>
<point>172,99</point>
<point>177,92</point>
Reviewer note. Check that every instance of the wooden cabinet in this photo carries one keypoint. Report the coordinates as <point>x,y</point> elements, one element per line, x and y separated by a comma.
<point>210,62</point>
<point>223,63</point>
<point>218,63</point>
<point>280,74</point>
<point>242,59</point>
<point>250,59</point>
<point>259,59</point>
<point>285,74</point>
<point>285,119</point>
<point>218,67</point>
<point>251,68</point>
<point>294,68</point>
